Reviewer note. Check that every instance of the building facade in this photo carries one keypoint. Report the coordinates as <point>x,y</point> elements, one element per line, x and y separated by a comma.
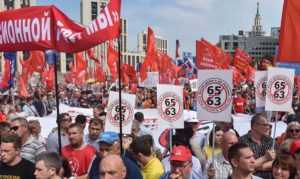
<point>160,42</point>
<point>255,43</point>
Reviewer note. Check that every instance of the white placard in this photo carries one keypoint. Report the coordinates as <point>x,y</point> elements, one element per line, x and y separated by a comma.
<point>193,84</point>
<point>112,118</point>
<point>280,87</point>
<point>214,97</point>
<point>170,106</point>
<point>260,84</point>
<point>151,81</point>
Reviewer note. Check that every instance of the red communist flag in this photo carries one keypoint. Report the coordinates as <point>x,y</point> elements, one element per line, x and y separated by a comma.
<point>81,66</point>
<point>91,55</point>
<point>129,74</point>
<point>6,75</point>
<point>207,55</point>
<point>100,75</point>
<point>112,58</point>
<point>241,60</point>
<point>150,59</point>
<point>23,91</point>
<point>250,73</point>
<point>26,69</point>
<point>37,61</point>
<point>289,40</point>
<point>237,76</point>
<point>50,78</point>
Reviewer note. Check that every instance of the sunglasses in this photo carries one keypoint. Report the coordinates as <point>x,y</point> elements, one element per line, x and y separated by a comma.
<point>294,130</point>
<point>15,128</point>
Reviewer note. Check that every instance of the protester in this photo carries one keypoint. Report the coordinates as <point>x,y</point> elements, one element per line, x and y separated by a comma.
<point>64,120</point>
<point>29,107</point>
<point>112,167</point>
<point>79,154</point>
<point>295,152</point>
<point>31,147</point>
<point>142,150</point>
<point>208,150</point>
<point>284,167</point>
<point>261,144</point>
<point>139,116</point>
<point>47,166</point>
<point>12,165</point>
<point>95,128</point>
<point>109,144</point>
<point>242,161</point>
<point>181,165</point>
<point>218,166</point>
<point>35,130</point>
<point>81,120</point>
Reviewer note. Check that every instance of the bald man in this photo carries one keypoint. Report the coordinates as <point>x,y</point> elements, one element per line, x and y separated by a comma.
<point>112,167</point>
<point>222,167</point>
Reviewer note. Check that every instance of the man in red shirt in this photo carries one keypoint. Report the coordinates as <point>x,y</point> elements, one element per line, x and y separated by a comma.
<point>79,154</point>
<point>239,104</point>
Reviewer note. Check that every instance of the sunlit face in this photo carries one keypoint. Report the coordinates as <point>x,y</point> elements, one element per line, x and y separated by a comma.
<point>17,127</point>
<point>75,137</point>
<point>42,172</point>
<point>111,170</point>
<point>262,126</point>
<point>94,131</point>
<point>280,172</point>
<point>218,137</point>
<point>106,149</point>
<point>246,161</point>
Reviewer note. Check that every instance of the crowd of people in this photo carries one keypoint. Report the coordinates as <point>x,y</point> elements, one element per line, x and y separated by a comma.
<point>221,153</point>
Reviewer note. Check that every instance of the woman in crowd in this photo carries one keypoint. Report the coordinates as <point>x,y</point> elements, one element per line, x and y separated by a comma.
<point>208,149</point>
<point>284,167</point>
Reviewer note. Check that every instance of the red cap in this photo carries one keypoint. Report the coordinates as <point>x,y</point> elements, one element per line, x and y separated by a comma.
<point>180,153</point>
<point>295,146</point>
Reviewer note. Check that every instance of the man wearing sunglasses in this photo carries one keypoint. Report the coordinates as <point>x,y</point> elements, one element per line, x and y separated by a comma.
<point>31,147</point>
<point>181,165</point>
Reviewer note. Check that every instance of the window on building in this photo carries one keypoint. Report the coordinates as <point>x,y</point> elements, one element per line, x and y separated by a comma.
<point>69,58</point>
<point>129,59</point>
<point>94,10</point>
<point>133,60</point>
<point>9,4</point>
<point>235,45</point>
<point>102,5</point>
<point>24,3</point>
<point>226,45</point>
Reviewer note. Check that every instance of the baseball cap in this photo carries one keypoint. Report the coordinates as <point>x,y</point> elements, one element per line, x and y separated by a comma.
<point>180,153</point>
<point>108,137</point>
<point>191,120</point>
<point>295,146</point>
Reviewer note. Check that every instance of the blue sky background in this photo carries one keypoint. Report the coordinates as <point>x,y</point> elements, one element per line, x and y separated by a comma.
<point>186,20</point>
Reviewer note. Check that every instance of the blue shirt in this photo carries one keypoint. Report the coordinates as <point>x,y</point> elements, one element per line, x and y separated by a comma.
<point>93,143</point>
<point>133,171</point>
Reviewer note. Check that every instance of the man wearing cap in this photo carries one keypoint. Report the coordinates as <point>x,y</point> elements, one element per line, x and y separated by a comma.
<point>181,165</point>
<point>109,144</point>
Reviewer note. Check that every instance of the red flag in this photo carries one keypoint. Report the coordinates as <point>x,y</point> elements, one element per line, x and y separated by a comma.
<point>129,74</point>
<point>81,66</point>
<point>207,55</point>
<point>133,88</point>
<point>237,76</point>
<point>112,58</point>
<point>72,69</point>
<point>297,82</point>
<point>177,48</point>
<point>37,61</point>
<point>5,75</point>
<point>50,78</point>
<point>250,73</point>
<point>26,69</point>
<point>100,75</point>
<point>150,59</point>
<point>289,40</point>
<point>23,91</point>
<point>91,55</point>
<point>46,27</point>
<point>241,60</point>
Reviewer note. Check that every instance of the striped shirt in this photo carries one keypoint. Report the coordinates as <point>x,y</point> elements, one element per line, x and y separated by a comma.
<point>31,149</point>
<point>222,167</point>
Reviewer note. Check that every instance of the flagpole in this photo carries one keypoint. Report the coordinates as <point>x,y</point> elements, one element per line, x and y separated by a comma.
<point>57,104</point>
<point>120,94</point>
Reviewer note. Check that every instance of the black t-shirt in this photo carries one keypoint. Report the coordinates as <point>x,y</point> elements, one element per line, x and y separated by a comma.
<point>23,170</point>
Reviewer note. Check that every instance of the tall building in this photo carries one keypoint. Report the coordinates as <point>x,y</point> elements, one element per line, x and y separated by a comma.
<point>160,42</point>
<point>256,44</point>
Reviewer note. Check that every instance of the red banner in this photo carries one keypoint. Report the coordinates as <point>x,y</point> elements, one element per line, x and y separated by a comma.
<point>289,40</point>
<point>241,60</point>
<point>46,27</point>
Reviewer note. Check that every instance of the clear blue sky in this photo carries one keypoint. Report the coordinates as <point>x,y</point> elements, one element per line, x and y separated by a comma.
<point>186,20</point>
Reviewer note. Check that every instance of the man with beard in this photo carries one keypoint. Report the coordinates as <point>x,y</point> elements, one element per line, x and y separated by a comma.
<point>79,154</point>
